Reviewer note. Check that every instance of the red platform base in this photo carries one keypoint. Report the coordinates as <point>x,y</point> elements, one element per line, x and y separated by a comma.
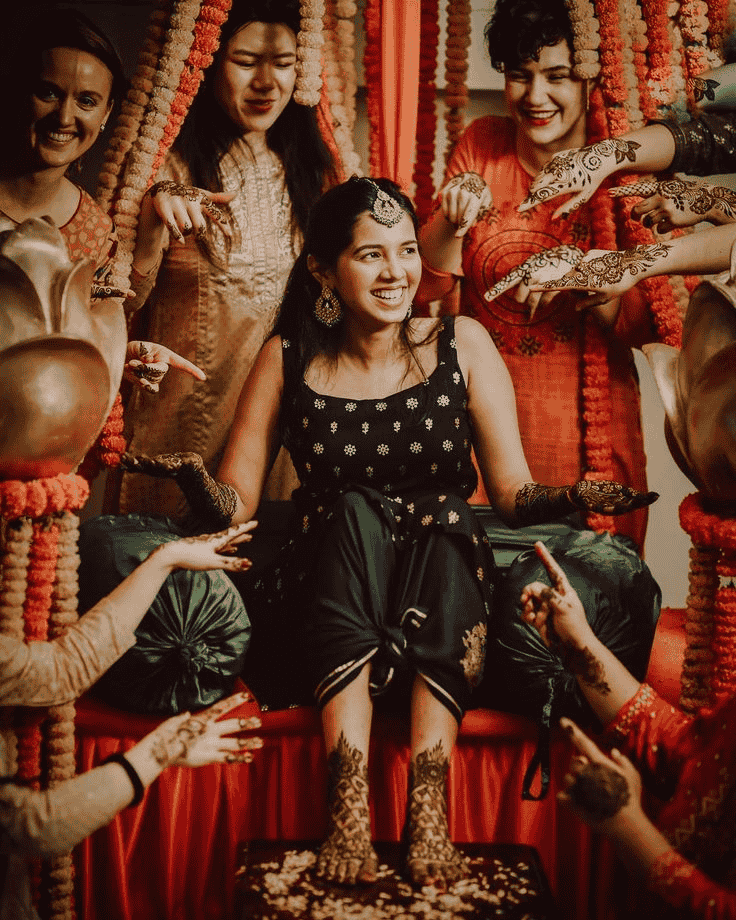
<point>174,857</point>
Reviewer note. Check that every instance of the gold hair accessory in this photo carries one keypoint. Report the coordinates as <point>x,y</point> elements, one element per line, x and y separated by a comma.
<point>386,210</point>
<point>327,308</point>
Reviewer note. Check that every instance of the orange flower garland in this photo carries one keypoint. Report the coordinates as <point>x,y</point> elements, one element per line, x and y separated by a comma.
<point>660,50</point>
<point>456,69</point>
<point>709,669</point>
<point>426,110</point>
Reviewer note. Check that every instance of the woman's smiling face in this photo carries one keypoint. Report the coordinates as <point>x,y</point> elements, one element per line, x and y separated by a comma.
<point>378,274</point>
<point>546,100</point>
<point>69,103</point>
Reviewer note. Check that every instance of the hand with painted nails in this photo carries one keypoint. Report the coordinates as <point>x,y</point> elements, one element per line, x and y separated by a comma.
<point>147,363</point>
<point>195,740</point>
<point>578,173</point>
<point>184,209</point>
<point>670,203</point>
<point>209,550</point>
<point>547,265</point>
<point>464,200</point>
<point>603,791</point>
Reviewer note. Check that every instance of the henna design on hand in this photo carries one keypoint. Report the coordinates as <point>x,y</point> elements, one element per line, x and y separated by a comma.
<point>603,496</point>
<point>347,855</point>
<point>153,373</point>
<point>167,749</point>
<point>170,187</point>
<point>214,503</point>
<point>537,504</point>
<point>600,791</point>
<point>701,198</point>
<point>703,89</point>
<point>610,269</point>
<point>562,257</point>
<point>574,170</point>
<point>432,859</point>
<point>102,291</point>
<point>474,183</point>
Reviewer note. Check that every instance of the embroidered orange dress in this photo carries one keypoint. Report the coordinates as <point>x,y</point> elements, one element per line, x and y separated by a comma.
<point>691,763</point>
<point>545,355</point>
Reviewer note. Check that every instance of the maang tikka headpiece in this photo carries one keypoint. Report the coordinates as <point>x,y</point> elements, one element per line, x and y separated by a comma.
<point>386,210</point>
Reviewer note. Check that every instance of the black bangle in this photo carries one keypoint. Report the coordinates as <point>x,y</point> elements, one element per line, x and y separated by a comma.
<point>135,780</point>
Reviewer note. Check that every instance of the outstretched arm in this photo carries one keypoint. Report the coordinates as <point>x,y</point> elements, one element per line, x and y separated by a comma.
<point>557,614</point>
<point>53,821</point>
<point>492,407</point>
<point>50,673</point>
<point>612,273</point>
<point>581,172</point>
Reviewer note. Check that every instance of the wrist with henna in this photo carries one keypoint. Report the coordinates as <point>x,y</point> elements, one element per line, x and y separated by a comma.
<point>600,791</point>
<point>212,503</point>
<point>537,504</point>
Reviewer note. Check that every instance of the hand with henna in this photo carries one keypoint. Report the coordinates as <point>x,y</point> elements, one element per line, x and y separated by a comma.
<point>671,203</point>
<point>578,173</point>
<point>602,790</point>
<point>212,503</point>
<point>147,363</point>
<point>608,274</point>
<point>184,209</point>
<point>537,504</point>
<point>547,265</point>
<point>464,201</point>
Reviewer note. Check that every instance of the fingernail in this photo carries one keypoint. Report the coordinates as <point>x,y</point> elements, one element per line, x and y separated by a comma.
<point>567,726</point>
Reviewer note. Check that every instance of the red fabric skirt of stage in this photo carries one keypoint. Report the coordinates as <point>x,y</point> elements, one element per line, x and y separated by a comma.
<point>174,856</point>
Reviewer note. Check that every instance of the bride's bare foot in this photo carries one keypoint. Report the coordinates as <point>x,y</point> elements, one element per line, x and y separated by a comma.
<point>347,855</point>
<point>432,860</point>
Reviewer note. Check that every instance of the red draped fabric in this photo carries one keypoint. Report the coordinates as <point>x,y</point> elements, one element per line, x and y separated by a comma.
<point>395,136</point>
<point>174,857</point>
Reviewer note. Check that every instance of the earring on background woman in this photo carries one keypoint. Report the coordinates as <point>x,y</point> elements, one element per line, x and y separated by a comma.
<point>327,307</point>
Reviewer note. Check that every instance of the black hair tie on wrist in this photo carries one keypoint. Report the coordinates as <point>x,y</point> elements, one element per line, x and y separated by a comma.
<point>135,780</point>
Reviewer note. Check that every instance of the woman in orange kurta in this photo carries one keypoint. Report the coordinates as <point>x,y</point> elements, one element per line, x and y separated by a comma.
<point>476,238</point>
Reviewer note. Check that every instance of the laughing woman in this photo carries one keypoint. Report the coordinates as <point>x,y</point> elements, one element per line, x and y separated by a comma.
<point>388,585</point>
<point>218,235</point>
<point>477,239</point>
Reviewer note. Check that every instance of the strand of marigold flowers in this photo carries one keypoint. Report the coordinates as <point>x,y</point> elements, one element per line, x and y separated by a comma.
<point>372,68</point>
<point>639,44</point>
<point>634,40</point>
<point>345,13</point>
<point>595,384</point>
<point>134,105</point>
<point>177,45</point>
<point>586,38</point>
<point>612,83</point>
<point>59,727</point>
<point>34,547</point>
<point>660,79</point>
<point>105,453</point>
<point>426,107</point>
<point>207,28</point>
<point>335,87</point>
<point>692,20</point>
<point>708,670</point>
<point>456,70</point>
<point>678,62</point>
<point>309,52</point>
<point>718,18</point>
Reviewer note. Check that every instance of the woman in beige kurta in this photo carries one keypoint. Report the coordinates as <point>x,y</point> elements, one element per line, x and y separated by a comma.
<point>218,235</point>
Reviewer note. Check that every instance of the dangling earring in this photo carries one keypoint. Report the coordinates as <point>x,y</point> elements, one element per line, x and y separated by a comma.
<point>587,96</point>
<point>103,126</point>
<point>327,308</point>
<point>408,313</point>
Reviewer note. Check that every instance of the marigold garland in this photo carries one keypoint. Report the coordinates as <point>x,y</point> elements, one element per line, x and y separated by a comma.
<point>708,670</point>
<point>426,107</point>
<point>309,53</point>
<point>456,70</point>
<point>586,38</point>
<point>660,80</point>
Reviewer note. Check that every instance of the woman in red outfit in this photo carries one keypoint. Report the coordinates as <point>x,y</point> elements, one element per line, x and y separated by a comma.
<point>556,353</point>
<point>688,860</point>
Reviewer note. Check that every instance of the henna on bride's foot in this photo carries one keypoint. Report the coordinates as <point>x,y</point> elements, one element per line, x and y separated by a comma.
<point>432,859</point>
<point>347,855</point>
